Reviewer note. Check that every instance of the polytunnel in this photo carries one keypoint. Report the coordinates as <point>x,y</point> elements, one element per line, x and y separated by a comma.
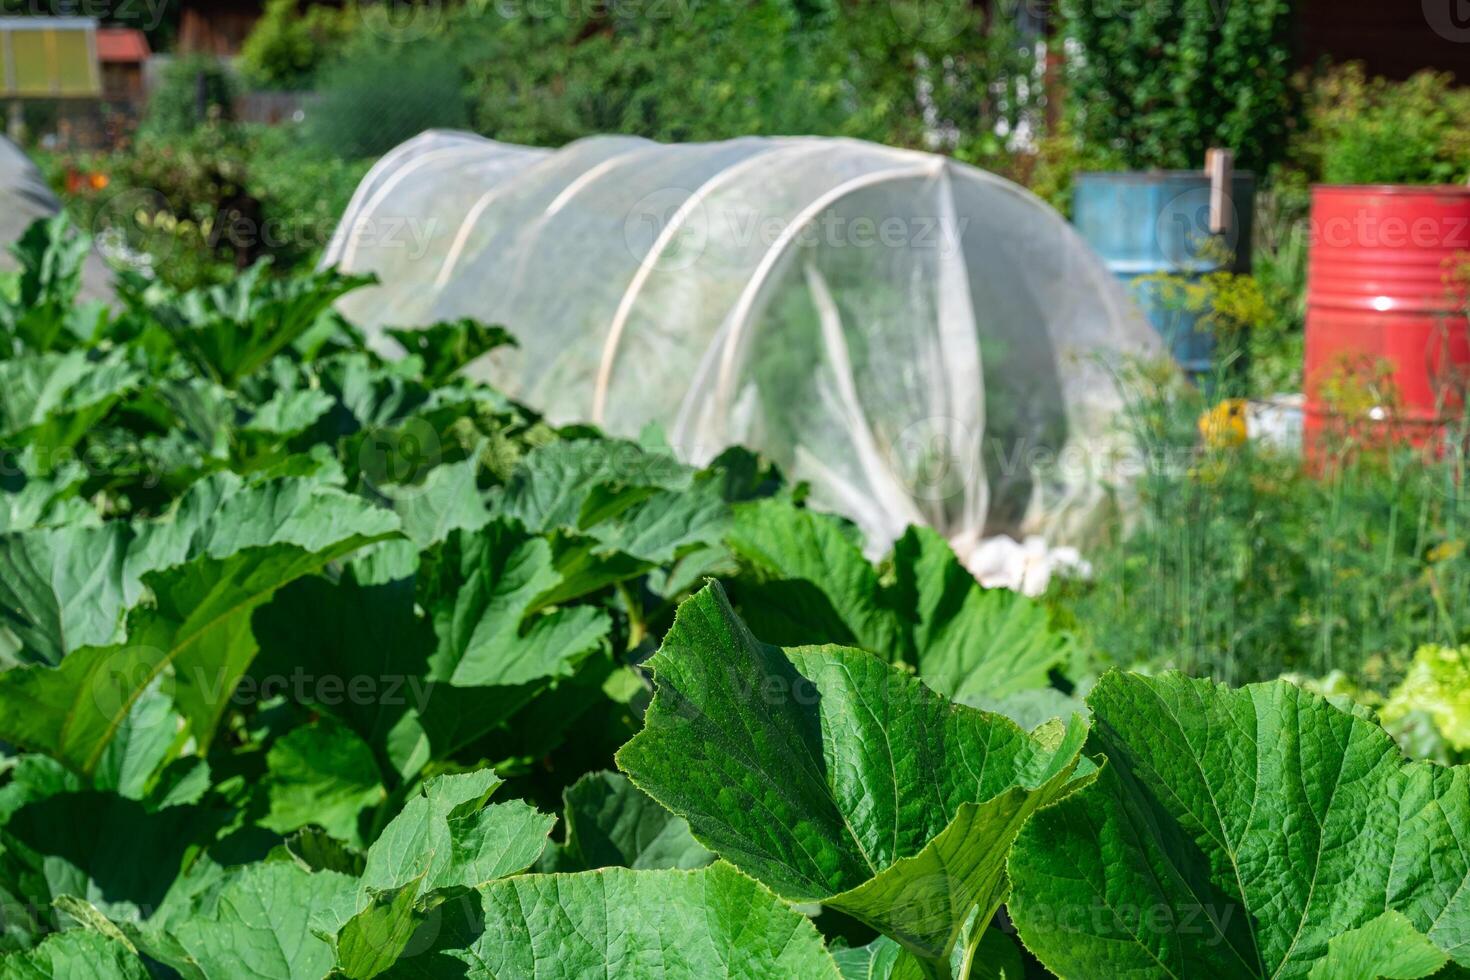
<point>921,341</point>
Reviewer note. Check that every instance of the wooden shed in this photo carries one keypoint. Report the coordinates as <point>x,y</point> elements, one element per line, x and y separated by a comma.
<point>217,27</point>
<point>122,53</point>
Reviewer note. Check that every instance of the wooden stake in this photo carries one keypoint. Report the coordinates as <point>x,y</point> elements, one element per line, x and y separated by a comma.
<point>1220,167</point>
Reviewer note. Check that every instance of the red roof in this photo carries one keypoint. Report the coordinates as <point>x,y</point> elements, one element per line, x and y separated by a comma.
<point>121,45</point>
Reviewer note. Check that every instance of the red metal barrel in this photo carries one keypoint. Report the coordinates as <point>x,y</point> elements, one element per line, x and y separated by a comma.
<point>1386,333</point>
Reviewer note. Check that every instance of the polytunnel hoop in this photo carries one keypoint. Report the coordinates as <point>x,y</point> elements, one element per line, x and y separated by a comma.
<point>376,201</point>
<point>365,190</point>
<point>723,346</point>
<point>655,252</point>
<point>588,176</point>
<point>462,236</point>
<point>386,165</point>
<point>740,313</point>
<point>569,193</point>
<point>482,204</point>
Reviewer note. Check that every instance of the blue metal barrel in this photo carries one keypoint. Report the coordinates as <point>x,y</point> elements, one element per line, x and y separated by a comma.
<point>1148,222</point>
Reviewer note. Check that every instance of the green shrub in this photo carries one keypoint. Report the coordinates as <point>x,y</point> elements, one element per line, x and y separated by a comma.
<point>1161,81</point>
<point>191,91</point>
<point>196,208</point>
<point>1374,131</point>
<point>1059,157</point>
<point>303,191</point>
<point>379,95</point>
<point>1231,307</point>
<point>906,73</point>
<point>169,199</point>
<point>289,45</point>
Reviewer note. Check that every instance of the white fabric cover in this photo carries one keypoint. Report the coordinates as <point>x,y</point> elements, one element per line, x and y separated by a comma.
<point>922,341</point>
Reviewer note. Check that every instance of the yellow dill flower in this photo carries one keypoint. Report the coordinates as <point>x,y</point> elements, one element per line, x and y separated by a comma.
<point>1223,426</point>
<point>1446,551</point>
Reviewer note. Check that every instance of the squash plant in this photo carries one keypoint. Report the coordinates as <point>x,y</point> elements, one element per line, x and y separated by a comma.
<point>315,665</point>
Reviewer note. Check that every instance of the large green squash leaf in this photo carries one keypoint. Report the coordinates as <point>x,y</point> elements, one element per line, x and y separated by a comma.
<point>223,514</point>
<point>31,501</point>
<point>51,401</point>
<point>43,312</point>
<point>65,588</point>
<point>1237,833</point>
<point>113,852</point>
<point>612,823</point>
<point>480,589</point>
<point>345,632</point>
<point>261,925</point>
<point>1388,947</point>
<point>79,954</point>
<point>448,499</point>
<point>576,483</point>
<point>444,840</point>
<point>145,741</point>
<point>613,511</point>
<point>321,774</point>
<point>287,413</point>
<point>447,836</point>
<point>676,924</point>
<point>833,777</point>
<point>805,580</point>
<point>970,642</point>
<point>481,649</point>
<point>641,504</point>
<point>195,640</point>
<point>373,939</point>
<point>370,396</point>
<point>991,956</point>
<point>444,348</point>
<point>231,330</point>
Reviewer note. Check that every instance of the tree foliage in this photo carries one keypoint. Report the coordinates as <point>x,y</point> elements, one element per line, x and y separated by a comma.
<point>1160,81</point>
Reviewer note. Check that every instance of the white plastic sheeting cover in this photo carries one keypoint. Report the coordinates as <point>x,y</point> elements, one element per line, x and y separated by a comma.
<point>922,341</point>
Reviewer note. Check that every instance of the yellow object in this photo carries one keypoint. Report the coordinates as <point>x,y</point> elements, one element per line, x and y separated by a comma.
<point>49,57</point>
<point>1446,551</point>
<point>1223,426</point>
